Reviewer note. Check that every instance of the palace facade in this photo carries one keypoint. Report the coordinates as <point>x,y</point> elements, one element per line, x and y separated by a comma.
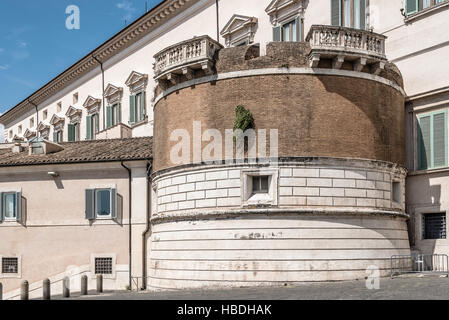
<point>349,101</point>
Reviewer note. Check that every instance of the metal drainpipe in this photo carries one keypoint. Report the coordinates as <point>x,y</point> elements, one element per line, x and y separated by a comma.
<point>218,22</point>
<point>129,217</point>
<point>37,116</point>
<point>102,79</point>
<point>148,227</point>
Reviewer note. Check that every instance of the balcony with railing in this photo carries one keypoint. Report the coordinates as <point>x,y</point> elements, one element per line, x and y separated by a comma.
<point>342,44</point>
<point>184,58</point>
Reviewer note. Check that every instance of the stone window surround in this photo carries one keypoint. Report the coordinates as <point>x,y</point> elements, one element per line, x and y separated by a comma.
<point>17,275</point>
<point>74,115</point>
<point>424,12</point>
<point>249,198</point>
<point>419,213</point>
<point>58,123</point>
<point>113,94</point>
<point>92,105</point>
<point>137,82</point>
<point>288,9</point>
<point>103,255</point>
<point>249,24</point>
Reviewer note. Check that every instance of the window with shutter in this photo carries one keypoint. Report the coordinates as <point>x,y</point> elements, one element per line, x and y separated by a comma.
<point>71,132</point>
<point>277,34</point>
<point>432,140</point>
<point>109,117</point>
<point>132,109</point>
<point>412,6</point>
<point>336,12</point>
<point>89,201</point>
<point>89,127</point>
<point>349,13</point>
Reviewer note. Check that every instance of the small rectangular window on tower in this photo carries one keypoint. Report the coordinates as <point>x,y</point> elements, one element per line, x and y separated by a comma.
<point>75,98</point>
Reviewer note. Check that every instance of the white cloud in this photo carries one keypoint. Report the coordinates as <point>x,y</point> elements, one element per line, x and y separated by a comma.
<point>2,50</point>
<point>128,8</point>
<point>4,66</point>
<point>22,44</point>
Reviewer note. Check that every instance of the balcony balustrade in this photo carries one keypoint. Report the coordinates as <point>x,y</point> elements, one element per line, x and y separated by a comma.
<point>184,58</point>
<point>346,44</point>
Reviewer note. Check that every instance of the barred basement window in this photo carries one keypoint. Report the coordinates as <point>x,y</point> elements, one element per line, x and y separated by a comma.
<point>10,265</point>
<point>434,226</point>
<point>103,265</point>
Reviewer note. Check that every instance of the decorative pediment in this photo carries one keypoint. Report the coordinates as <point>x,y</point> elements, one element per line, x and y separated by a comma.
<point>16,138</point>
<point>239,29</point>
<point>42,127</point>
<point>55,120</point>
<point>91,102</point>
<point>29,134</point>
<point>113,93</point>
<point>73,112</point>
<point>282,10</point>
<point>136,81</point>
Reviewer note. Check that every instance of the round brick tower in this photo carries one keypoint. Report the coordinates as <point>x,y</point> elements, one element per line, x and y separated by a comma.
<point>332,203</point>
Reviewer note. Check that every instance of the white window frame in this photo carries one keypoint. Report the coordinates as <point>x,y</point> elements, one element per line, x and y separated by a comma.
<point>103,217</point>
<point>103,255</point>
<point>6,219</point>
<point>249,198</point>
<point>17,275</point>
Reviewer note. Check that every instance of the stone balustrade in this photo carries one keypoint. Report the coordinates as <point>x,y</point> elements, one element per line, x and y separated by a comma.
<point>346,44</point>
<point>185,57</point>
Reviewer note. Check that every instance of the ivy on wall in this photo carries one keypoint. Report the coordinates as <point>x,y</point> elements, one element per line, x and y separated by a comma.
<point>243,119</point>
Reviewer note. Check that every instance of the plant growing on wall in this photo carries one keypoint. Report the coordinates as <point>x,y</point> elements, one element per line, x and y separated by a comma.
<point>243,119</point>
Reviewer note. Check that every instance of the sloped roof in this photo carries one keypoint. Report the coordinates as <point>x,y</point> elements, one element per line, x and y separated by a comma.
<point>84,152</point>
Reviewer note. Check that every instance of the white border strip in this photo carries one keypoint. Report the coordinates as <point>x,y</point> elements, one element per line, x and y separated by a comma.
<point>279,71</point>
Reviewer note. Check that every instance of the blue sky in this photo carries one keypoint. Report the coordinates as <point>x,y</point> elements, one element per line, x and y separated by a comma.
<point>35,45</point>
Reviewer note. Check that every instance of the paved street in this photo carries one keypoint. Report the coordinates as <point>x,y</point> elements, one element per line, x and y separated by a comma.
<point>429,287</point>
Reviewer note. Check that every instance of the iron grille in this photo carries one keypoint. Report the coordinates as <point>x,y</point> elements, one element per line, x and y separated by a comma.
<point>10,265</point>
<point>103,265</point>
<point>434,226</point>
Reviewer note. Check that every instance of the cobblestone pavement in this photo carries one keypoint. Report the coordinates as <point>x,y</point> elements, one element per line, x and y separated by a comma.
<point>414,288</point>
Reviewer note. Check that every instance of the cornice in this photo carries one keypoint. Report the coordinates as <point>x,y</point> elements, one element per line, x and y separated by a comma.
<point>122,40</point>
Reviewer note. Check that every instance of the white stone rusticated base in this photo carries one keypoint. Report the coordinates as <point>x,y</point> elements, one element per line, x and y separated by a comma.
<point>272,250</point>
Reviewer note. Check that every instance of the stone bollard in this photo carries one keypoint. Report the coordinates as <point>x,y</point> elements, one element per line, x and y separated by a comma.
<point>66,287</point>
<point>99,283</point>
<point>1,291</point>
<point>84,290</point>
<point>46,294</point>
<point>24,290</point>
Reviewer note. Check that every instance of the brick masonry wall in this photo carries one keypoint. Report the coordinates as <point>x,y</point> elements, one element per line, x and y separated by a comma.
<point>329,116</point>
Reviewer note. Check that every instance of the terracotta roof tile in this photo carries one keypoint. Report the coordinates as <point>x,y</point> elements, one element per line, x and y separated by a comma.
<point>84,151</point>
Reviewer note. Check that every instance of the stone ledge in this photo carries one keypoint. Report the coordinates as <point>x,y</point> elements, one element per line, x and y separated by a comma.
<point>239,213</point>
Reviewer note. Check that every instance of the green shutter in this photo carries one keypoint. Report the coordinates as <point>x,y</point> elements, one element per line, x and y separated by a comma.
<point>412,6</point>
<point>298,29</point>
<point>142,105</point>
<point>424,149</point>
<point>439,140</point>
<point>132,111</point>
<point>362,14</point>
<point>119,113</point>
<point>55,136</point>
<point>108,116</point>
<point>90,209</point>
<point>432,140</point>
<point>1,207</point>
<point>89,127</point>
<point>114,203</point>
<point>19,206</point>
<point>336,12</point>
<point>71,132</point>
<point>277,34</point>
